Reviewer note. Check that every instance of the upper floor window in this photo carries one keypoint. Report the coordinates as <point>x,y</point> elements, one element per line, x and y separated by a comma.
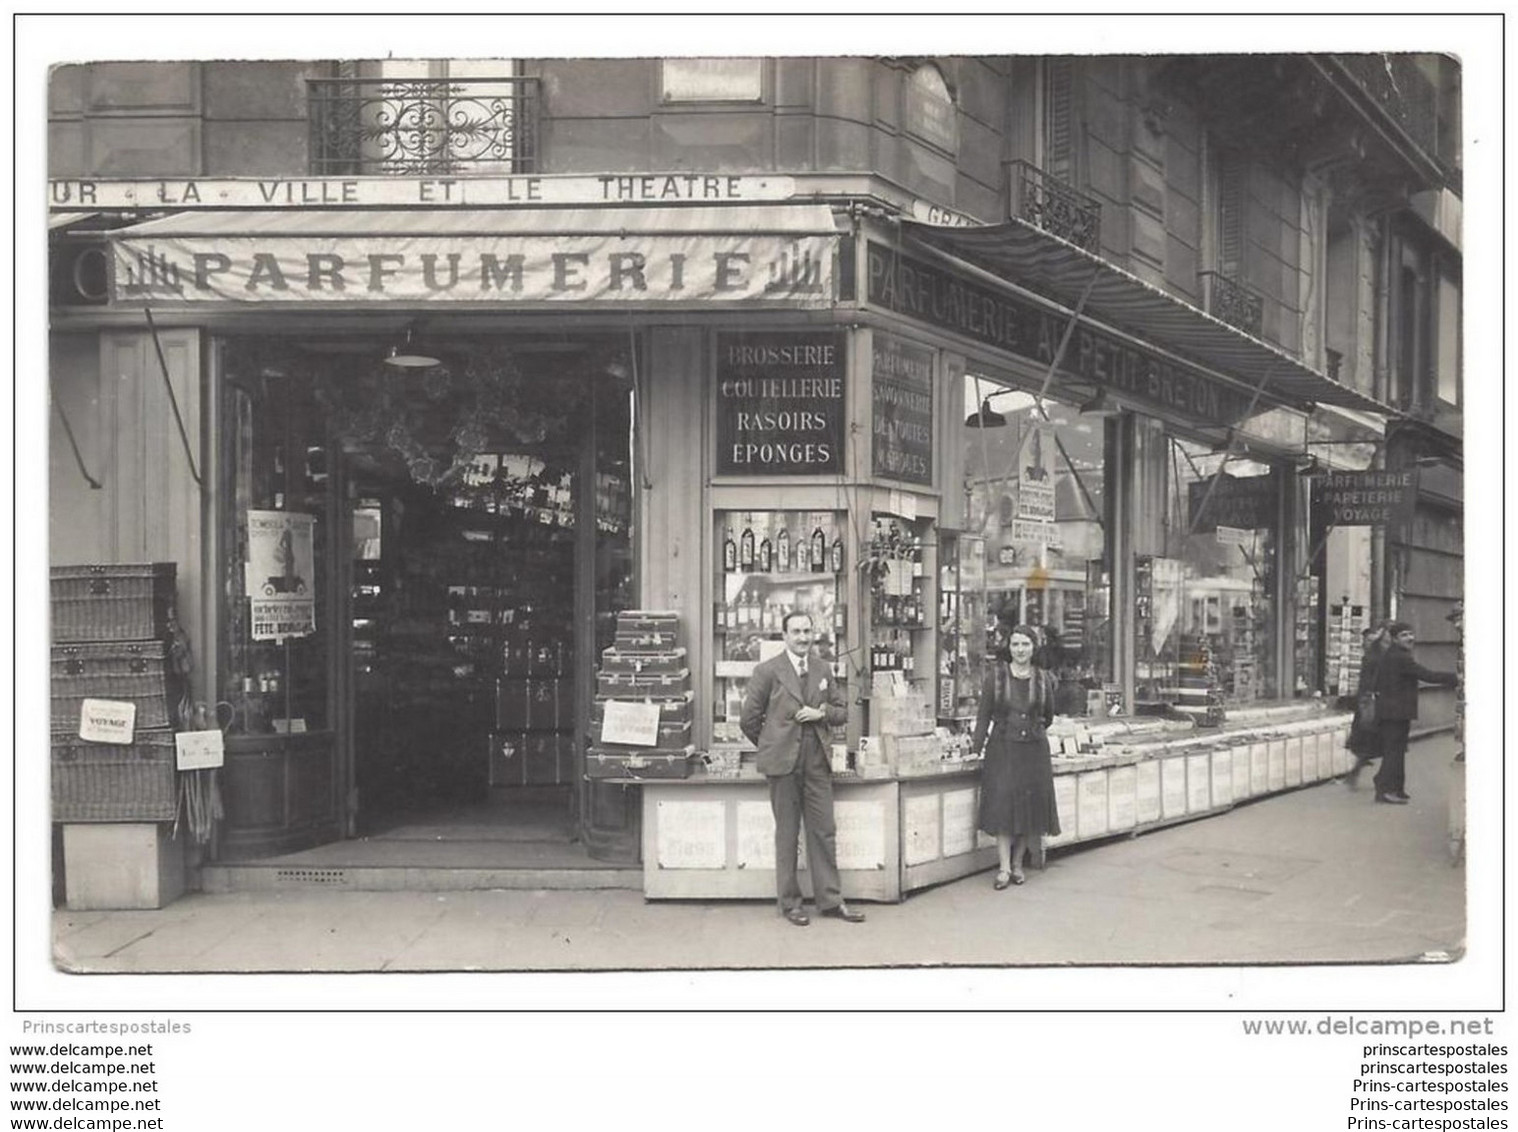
<point>423,117</point>
<point>1447,331</point>
<point>1225,179</point>
<point>929,110</point>
<point>711,80</point>
<point>1058,95</point>
<point>1043,190</point>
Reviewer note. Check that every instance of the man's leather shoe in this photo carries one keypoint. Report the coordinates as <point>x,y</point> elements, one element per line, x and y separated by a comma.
<point>1402,796</point>
<point>796,916</point>
<point>1394,799</point>
<point>845,913</point>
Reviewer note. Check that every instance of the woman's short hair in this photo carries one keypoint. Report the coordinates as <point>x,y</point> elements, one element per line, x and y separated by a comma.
<point>1027,631</point>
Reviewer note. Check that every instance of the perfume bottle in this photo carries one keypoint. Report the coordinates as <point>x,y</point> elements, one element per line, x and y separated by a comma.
<point>783,549</point>
<point>729,552</point>
<point>819,557</point>
<point>766,556</point>
<point>746,550</point>
<point>835,555</point>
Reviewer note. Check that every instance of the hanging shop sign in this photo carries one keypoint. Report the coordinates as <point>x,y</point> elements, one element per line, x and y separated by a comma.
<point>610,267</point>
<point>919,290</point>
<point>902,395</point>
<point>1247,502</point>
<point>1377,498</point>
<point>66,194</point>
<point>280,575</point>
<point>779,404</point>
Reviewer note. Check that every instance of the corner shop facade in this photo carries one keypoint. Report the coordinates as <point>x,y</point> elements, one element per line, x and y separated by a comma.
<point>762,364</point>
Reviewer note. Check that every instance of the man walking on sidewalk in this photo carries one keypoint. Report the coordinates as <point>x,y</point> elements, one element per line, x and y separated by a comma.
<point>1397,706</point>
<point>789,704</point>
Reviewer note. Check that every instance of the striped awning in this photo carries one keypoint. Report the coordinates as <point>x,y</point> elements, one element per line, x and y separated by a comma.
<point>1029,257</point>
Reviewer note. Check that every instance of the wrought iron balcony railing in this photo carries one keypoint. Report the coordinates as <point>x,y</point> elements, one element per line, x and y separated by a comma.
<point>1055,207</point>
<point>423,127</point>
<point>1232,302</point>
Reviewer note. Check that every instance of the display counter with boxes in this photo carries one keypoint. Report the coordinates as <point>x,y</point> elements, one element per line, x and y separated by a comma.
<point>906,820</point>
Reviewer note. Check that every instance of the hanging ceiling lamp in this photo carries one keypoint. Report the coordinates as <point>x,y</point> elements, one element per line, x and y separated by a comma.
<point>1099,406</point>
<point>403,356</point>
<point>986,417</point>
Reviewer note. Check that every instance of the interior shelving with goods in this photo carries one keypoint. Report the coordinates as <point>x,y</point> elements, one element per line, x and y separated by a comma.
<point>769,564</point>
<point>900,564</point>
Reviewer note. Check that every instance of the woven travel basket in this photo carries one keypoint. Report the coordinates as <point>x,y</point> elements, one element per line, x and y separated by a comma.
<point>112,603</point>
<point>99,782</point>
<point>134,671</point>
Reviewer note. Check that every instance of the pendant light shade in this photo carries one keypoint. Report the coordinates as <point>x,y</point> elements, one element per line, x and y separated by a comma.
<point>986,417</point>
<point>403,356</point>
<point>1099,406</point>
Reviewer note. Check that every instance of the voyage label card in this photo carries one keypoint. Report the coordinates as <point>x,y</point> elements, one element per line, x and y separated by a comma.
<point>107,721</point>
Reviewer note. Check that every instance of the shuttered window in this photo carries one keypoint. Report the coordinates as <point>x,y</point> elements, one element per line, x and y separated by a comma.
<point>1230,172</point>
<point>1059,119</point>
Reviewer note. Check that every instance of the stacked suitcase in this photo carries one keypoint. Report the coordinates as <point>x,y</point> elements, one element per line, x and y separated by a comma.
<point>112,639</point>
<point>644,665</point>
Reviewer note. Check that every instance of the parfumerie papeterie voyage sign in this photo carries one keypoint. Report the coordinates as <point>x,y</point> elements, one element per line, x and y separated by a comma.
<point>1375,498</point>
<point>780,404</point>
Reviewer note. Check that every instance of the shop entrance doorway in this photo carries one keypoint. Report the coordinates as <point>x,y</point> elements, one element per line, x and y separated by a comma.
<point>490,550</point>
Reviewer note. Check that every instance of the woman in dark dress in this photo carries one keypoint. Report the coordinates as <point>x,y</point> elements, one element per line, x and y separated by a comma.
<point>1017,781</point>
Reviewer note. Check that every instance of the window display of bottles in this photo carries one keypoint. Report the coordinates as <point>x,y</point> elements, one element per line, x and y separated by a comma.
<point>901,601</point>
<point>772,563</point>
<point>762,542</point>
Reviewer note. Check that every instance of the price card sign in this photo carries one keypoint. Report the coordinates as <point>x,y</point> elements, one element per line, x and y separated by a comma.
<point>630,724</point>
<point>107,721</point>
<point>198,750</point>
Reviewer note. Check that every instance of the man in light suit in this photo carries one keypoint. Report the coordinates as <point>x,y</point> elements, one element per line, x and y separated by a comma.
<point>789,704</point>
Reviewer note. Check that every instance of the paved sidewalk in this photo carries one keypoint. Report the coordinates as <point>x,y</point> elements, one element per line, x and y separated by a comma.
<point>1319,875</point>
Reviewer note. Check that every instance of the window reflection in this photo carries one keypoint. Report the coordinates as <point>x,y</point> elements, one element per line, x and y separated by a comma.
<point>1205,598</point>
<point>1035,490</point>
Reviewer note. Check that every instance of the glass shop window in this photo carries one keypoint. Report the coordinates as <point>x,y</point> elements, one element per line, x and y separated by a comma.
<point>1205,575</point>
<point>276,532</point>
<point>1035,489</point>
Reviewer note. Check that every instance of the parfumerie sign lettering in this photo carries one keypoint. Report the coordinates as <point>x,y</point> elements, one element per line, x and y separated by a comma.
<point>610,267</point>
<point>938,298</point>
<point>1376,498</point>
<point>902,394</point>
<point>779,404</point>
<point>458,192</point>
